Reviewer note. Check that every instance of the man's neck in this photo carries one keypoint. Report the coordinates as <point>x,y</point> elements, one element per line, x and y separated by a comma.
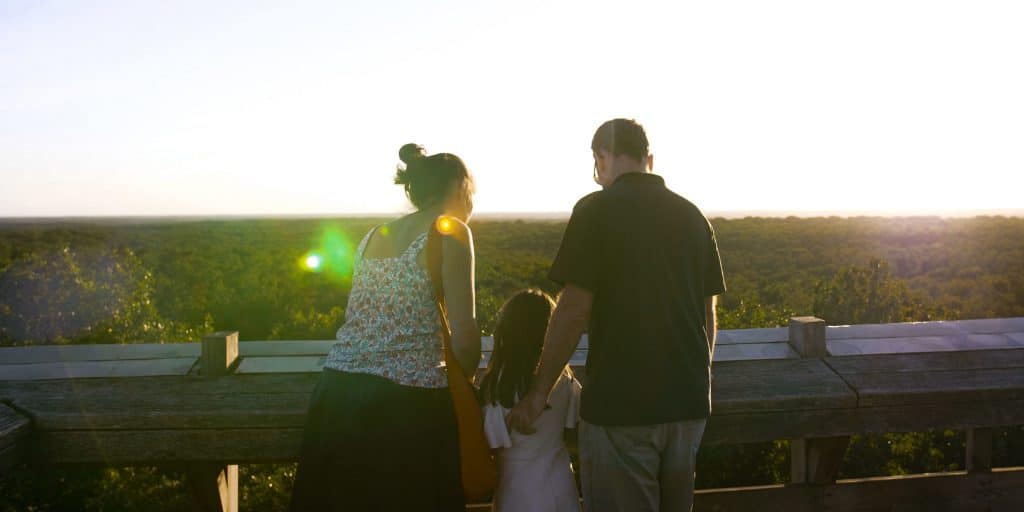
<point>632,170</point>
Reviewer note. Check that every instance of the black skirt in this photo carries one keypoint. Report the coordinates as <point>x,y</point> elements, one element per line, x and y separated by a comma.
<point>372,444</point>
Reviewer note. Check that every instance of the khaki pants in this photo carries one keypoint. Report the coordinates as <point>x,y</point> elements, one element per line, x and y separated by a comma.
<point>639,468</point>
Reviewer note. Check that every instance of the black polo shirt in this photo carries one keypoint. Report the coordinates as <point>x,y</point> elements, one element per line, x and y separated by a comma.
<point>650,258</point>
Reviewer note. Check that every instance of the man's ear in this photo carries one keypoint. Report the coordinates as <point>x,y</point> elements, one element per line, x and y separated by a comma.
<point>650,162</point>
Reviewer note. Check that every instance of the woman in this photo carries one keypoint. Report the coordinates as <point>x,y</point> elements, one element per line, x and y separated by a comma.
<point>381,432</point>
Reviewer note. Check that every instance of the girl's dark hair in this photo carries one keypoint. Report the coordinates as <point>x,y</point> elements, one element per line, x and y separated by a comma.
<point>429,179</point>
<point>518,339</point>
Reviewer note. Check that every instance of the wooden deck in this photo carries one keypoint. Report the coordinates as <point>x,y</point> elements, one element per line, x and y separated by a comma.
<point>156,404</point>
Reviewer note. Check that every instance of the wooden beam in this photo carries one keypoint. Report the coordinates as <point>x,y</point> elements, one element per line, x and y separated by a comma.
<point>994,491</point>
<point>764,497</point>
<point>999,490</point>
<point>156,447</point>
<point>751,427</point>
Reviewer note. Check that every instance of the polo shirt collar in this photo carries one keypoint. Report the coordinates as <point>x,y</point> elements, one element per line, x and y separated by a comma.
<point>639,177</point>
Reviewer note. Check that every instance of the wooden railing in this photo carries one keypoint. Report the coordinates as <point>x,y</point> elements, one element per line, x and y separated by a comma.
<point>212,405</point>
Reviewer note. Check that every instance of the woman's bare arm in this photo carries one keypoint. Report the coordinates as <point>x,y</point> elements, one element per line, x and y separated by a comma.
<point>457,271</point>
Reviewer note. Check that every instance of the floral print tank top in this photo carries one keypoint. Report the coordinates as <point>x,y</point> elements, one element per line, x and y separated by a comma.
<point>392,328</point>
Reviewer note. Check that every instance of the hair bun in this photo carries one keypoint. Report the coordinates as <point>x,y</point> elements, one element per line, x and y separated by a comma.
<point>411,152</point>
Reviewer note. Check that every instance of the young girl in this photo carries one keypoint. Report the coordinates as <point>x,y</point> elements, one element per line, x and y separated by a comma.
<point>534,472</point>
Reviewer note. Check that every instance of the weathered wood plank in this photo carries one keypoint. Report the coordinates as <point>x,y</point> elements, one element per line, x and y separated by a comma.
<point>15,429</point>
<point>154,447</point>
<point>991,385</point>
<point>13,426</point>
<point>762,335</point>
<point>896,330</point>
<point>767,497</point>
<point>921,344</point>
<point>991,325</point>
<point>280,440</point>
<point>894,363</point>
<point>285,348</point>
<point>997,491</point>
<point>783,384</point>
<point>230,384</point>
<point>165,402</point>
<point>767,426</point>
<point>262,400</point>
<point>110,352</point>
<point>281,364</point>
<point>184,411</point>
<point>991,341</point>
<point>96,369</point>
<point>754,351</point>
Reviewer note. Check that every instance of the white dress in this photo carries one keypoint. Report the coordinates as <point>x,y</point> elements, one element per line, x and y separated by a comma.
<point>534,473</point>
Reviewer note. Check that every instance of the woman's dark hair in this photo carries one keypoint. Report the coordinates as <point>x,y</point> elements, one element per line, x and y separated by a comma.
<point>429,179</point>
<point>622,137</point>
<point>518,339</point>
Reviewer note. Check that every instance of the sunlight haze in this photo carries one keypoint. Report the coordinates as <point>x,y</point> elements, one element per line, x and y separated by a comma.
<point>232,108</point>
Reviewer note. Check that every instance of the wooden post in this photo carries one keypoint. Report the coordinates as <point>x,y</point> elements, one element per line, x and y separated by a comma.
<point>214,487</point>
<point>816,461</point>
<point>807,336</point>
<point>220,350</point>
<point>979,450</point>
<point>813,461</point>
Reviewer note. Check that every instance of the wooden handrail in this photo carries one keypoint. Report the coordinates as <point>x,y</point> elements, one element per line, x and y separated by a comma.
<point>133,410</point>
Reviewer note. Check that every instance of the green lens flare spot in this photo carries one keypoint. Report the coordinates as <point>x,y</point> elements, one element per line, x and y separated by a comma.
<point>332,255</point>
<point>313,262</point>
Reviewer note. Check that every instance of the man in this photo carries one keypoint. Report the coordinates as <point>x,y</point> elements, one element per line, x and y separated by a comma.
<point>641,270</point>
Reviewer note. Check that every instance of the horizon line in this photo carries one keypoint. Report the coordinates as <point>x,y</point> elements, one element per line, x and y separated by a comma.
<point>512,215</point>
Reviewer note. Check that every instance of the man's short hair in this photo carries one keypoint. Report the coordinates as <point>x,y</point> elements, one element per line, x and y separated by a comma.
<point>622,137</point>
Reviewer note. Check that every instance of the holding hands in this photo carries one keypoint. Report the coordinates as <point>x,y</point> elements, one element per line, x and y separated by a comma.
<point>526,411</point>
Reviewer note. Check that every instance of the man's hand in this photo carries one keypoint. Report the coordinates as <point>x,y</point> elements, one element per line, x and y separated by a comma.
<point>524,413</point>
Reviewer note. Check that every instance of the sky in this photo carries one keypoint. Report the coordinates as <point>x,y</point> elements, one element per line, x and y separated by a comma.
<point>112,108</point>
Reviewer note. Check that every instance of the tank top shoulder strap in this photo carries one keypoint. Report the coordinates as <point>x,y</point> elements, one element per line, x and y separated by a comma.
<point>366,240</point>
<point>416,247</point>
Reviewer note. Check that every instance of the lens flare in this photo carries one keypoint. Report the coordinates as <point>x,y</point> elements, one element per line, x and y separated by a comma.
<point>339,255</point>
<point>445,225</point>
<point>313,262</point>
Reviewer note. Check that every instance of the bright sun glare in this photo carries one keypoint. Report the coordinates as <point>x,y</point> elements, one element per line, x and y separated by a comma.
<point>313,262</point>
<point>902,106</point>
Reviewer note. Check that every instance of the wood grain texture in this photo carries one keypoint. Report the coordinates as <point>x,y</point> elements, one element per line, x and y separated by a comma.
<point>783,384</point>
<point>15,429</point>
<point>928,362</point>
<point>998,491</point>
<point>155,447</point>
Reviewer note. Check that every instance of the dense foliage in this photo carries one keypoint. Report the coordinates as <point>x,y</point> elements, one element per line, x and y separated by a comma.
<point>111,282</point>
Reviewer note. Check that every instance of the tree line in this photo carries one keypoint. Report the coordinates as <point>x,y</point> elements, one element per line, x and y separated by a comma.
<point>122,282</point>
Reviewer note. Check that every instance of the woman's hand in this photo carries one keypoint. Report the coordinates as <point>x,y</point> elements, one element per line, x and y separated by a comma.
<point>524,413</point>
